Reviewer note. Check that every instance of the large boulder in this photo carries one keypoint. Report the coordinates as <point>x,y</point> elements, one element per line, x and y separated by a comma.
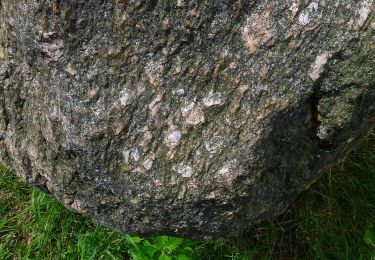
<point>188,118</point>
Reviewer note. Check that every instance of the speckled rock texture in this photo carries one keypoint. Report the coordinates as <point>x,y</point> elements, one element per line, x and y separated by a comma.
<point>187,118</point>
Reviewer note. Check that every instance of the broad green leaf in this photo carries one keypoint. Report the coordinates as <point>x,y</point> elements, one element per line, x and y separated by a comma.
<point>164,256</point>
<point>183,257</point>
<point>369,238</point>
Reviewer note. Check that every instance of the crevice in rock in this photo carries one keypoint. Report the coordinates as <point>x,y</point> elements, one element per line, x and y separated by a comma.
<point>41,183</point>
<point>313,119</point>
<point>4,117</point>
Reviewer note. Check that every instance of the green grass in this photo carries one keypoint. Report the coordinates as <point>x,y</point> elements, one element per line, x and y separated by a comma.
<point>334,219</point>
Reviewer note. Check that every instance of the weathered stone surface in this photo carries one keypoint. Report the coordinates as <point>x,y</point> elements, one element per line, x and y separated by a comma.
<point>189,118</point>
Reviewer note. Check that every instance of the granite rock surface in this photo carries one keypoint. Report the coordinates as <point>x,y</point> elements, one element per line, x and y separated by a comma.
<point>187,118</point>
